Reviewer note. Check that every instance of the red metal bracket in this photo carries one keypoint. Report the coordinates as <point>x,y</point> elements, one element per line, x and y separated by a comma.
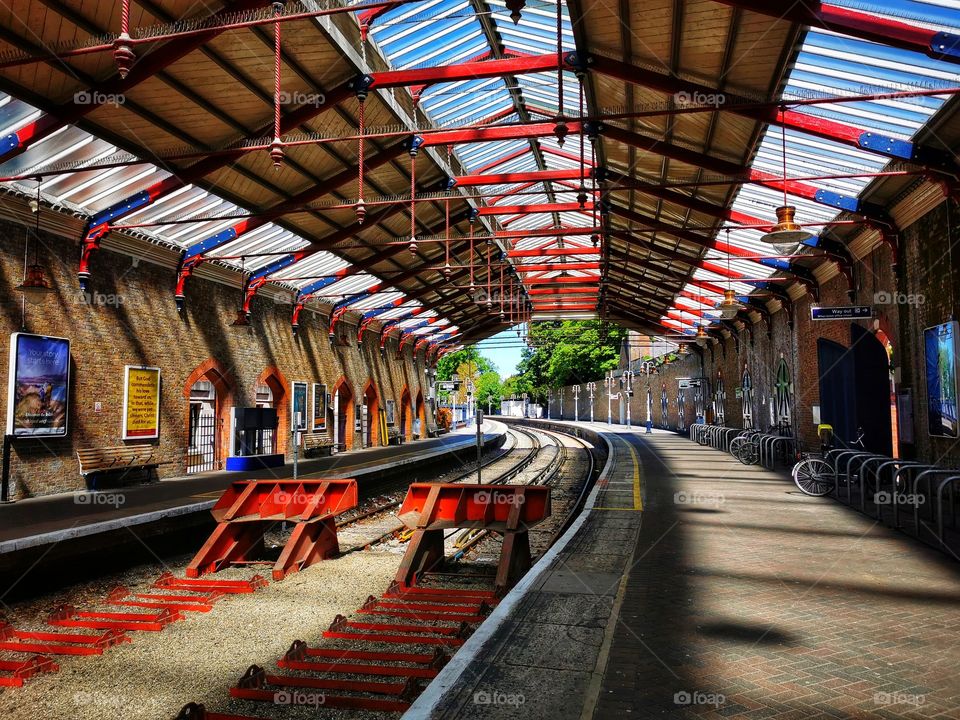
<point>247,508</point>
<point>511,510</point>
<point>22,670</point>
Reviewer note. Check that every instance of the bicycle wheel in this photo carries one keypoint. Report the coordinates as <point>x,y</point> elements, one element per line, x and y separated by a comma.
<point>813,476</point>
<point>749,453</point>
<point>735,446</point>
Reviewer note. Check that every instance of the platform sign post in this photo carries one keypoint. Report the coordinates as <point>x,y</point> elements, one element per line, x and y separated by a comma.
<point>591,386</point>
<point>576,403</point>
<point>479,443</point>
<point>294,434</point>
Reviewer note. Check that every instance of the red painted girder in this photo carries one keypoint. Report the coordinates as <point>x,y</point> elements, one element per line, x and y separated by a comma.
<point>551,252</point>
<point>475,179</point>
<point>147,65</point>
<point>493,133</point>
<point>853,23</point>
<point>559,308</point>
<point>563,280</point>
<point>545,232</point>
<point>539,268</point>
<point>563,291</point>
<point>466,71</point>
<point>535,208</point>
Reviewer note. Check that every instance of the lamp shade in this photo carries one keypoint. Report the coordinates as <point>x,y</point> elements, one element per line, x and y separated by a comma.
<point>787,233</point>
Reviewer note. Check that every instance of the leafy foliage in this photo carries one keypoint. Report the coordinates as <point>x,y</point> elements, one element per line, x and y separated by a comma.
<point>565,353</point>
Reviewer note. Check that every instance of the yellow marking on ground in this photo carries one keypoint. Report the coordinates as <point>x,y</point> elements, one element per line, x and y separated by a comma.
<point>637,493</point>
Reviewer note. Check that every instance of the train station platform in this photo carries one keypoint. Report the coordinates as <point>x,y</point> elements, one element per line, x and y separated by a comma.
<point>38,523</point>
<point>694,586</point>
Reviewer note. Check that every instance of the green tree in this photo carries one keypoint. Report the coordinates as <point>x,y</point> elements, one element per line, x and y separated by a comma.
<point>471,357</point>
<point>488,384</point>
<point>566,353</point>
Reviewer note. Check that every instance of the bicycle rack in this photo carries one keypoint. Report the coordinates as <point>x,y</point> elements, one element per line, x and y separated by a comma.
<point>865,473</point>
<point>727,435</point>
<point>926,474</point>
<point>905,471</point>
<point>769,443</point>
<point>944,483</point>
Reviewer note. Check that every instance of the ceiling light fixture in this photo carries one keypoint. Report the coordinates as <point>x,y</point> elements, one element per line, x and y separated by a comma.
<point>787,233</point>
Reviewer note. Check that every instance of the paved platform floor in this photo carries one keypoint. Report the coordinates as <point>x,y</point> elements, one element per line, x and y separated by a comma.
<point>35,518</point>
<point>699,587</point>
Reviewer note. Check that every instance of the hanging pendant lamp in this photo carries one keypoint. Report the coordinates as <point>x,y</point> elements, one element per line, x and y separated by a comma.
<point>787,233</point>
<point>35,286</point>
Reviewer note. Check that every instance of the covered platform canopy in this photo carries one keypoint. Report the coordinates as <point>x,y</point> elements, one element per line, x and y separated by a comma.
<point>574,159</point>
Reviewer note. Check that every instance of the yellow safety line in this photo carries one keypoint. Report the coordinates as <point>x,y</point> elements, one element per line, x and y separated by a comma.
<point>637,494</point>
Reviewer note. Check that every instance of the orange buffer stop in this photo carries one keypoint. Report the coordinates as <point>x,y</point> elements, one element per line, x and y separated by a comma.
<point>248,508</point>
<point>510,510</point>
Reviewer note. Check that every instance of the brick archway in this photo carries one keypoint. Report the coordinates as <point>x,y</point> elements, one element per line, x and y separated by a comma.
<point>371,398</point>
<point>342,427</point>
<point>406,414</point>
<point>213,371</point>
<point>421,413</point>
<point>275,380</point>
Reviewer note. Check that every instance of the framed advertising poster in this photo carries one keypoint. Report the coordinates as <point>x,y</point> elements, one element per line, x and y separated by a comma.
<point>319,406</point>
<point>39,386</point>
<point>298,408</point>
<point>391,412</point>
<point>141,402</point>
<point>940,346</point>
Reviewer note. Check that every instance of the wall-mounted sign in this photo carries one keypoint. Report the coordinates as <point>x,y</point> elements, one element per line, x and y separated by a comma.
<point>298,407</point>
<point>141,402</point>
<point>319,406</point>
<point>684,383</point>
<point>391,412</point>
<point>940,344</point>
<point>842,312</point>
<point>39,385</point>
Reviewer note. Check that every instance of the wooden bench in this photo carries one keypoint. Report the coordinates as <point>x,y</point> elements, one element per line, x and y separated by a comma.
<point>119,459</point>
<point>316,444</point>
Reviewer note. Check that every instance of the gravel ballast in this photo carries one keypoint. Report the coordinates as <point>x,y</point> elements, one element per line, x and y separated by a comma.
<point>199,658</point>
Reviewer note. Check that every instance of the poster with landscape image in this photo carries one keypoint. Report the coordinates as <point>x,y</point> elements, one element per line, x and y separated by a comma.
<point>39,386</point>
<point>940,345</point>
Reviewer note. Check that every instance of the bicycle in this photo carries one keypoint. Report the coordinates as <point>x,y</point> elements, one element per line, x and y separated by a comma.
<point>813,475</point>
<point>744,449</point>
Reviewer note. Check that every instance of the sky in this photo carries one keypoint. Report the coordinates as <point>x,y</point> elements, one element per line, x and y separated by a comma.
<point>505,358</point>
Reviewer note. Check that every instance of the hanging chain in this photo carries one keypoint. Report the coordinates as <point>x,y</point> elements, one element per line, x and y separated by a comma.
<point>446,268</point>
<point>413,200</point>
<point>276,147</point>
<point>361,207</point>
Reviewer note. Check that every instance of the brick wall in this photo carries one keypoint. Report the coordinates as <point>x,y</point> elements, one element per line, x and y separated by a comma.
<point>928,282</point>
<point>130,319</point>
